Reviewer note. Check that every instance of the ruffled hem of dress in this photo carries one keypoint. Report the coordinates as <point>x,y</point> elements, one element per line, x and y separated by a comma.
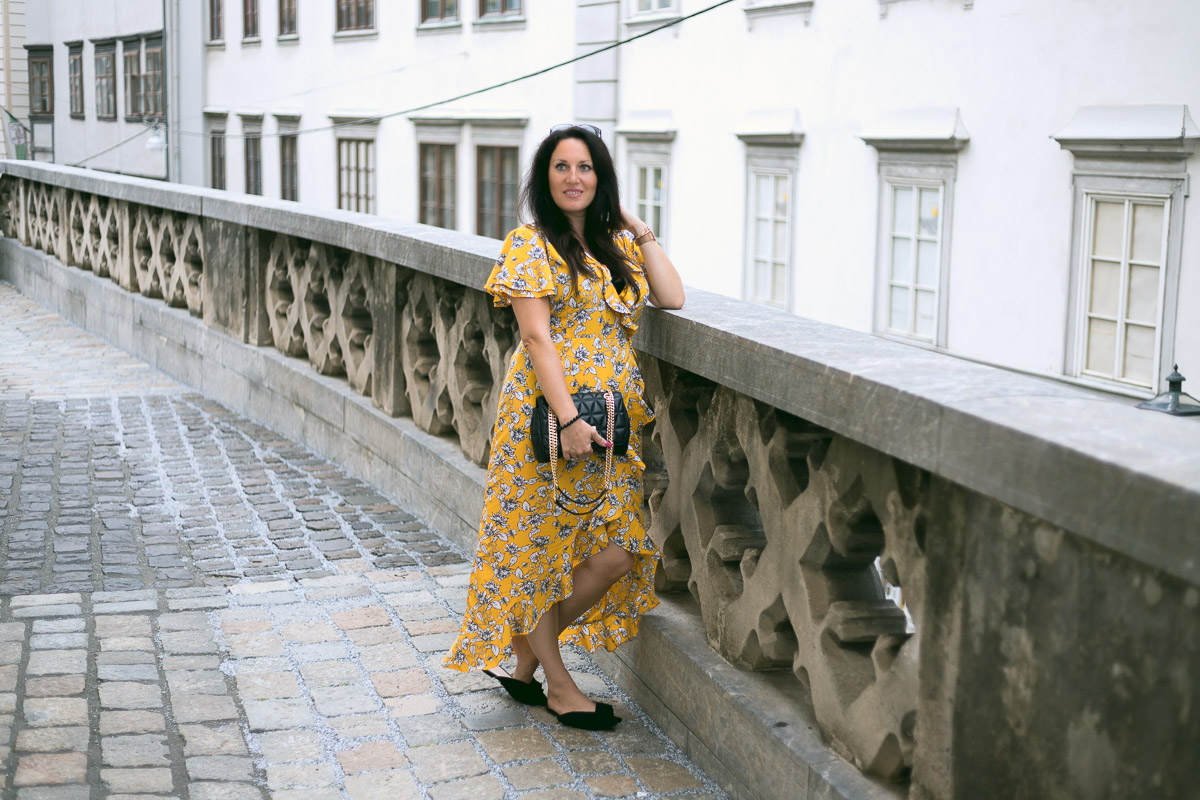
<point>504,633</point>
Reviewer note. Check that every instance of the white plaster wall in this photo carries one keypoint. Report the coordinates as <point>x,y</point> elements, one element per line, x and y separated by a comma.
<point>1017,70</point>
<point>59,21</point>
<point>397,68</point>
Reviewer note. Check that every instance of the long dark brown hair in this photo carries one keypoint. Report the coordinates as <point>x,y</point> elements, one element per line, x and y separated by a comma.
<point>602,219</point>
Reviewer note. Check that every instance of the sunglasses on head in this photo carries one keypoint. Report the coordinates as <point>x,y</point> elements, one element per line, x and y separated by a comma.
<point>566,126</point>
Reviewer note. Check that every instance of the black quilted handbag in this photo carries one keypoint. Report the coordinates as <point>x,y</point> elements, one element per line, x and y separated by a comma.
<point>594,409</point>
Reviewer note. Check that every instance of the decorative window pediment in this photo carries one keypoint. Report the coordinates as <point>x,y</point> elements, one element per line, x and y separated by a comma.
<point>1131,132</point>
<point>938,130</point>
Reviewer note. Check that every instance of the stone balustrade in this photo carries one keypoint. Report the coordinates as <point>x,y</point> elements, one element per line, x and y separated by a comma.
<point>1045,540</point>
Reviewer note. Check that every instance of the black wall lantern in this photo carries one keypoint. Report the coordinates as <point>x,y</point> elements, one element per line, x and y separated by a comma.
<point>1173,400</point>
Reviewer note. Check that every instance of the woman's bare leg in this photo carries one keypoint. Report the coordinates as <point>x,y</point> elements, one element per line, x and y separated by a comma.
<point>591,579</point>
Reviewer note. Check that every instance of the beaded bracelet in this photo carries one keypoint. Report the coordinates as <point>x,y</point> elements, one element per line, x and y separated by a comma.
<point>575,419</point>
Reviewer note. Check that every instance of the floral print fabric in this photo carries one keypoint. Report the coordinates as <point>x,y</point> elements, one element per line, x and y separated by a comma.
<point>527,545</point>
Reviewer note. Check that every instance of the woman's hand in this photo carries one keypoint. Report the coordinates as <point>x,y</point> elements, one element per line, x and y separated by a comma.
<point>576,441</point>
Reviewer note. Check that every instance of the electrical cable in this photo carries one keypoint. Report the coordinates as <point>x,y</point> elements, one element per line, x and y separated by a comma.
<point>425,106</point>
<point>83,161</point>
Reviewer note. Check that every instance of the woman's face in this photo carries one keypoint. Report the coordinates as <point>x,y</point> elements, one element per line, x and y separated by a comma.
<point>572,179</point>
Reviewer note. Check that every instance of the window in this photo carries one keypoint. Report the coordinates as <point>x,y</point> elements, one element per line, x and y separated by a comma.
<point>216,146</point>
<point>439,10</point>
<point>252,150</point>
<point>649,183</point>
<point>216,29</point>
<point>912,251</point>
<point>496,194</point>
<point>355,15</point>
<point>650,6</point>
<point>41,81</point>
<point>287,17</point>
<point>647,136</point>
<point>488,7</point>
<point>918,158</point>
<point>1123,287</point>
<point>356,175</point>
<point>1126,242</point>
<point>288,167</point>
<point>770,235</point>
<point>75,78</point>
<point>249,19</point>
<point>106,82</point>
<point>132,56</point>
<point>152,84</point>
<point>438,188</point>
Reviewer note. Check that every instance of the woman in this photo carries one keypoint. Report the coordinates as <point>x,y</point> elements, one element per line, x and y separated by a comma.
<point>576,279</point>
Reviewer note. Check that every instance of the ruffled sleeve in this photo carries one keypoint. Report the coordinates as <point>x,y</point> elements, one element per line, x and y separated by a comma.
<point>623,303</point>
<point>523,268</point>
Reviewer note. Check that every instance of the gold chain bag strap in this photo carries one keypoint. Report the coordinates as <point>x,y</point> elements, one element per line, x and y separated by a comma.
<point>560,497</point>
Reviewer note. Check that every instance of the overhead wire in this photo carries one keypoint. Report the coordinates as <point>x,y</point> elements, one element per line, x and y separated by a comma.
<point>425,106</point>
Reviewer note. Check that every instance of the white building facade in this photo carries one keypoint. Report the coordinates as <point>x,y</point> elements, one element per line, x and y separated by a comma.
<point>1006,182</point>
<point>99,83</point>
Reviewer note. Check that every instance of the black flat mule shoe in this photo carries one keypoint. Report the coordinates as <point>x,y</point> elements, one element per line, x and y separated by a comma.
<point>530,694</point>
<point>602,719</point>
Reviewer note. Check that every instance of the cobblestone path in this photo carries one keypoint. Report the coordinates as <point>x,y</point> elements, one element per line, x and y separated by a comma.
<point>192,606</point>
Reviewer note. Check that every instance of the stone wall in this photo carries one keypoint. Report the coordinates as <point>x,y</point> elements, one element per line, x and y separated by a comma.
<point>1044,540</point>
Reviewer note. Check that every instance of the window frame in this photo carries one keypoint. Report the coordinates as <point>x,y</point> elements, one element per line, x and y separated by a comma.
<point>43,54</point>
<point>1088,190</point>
<point>75,80</point>
<point>216,21</point>
<point>1108,162</point>
<point>442,18</point>
<point>364,201</point>
<point>650,150</point>
<point>217,157</point>
<point>920,171</point>
<point>251,30</point>
<point>132,80</point>
<point>153,86</point>
<point>289,170</point>
<point>504,11</point>
<point>284,7</point>
<point>769,158</point>
<point>498,212</point>
<point>252,175</point>
<point>100,50</point>
<point>442,206</point>
<point>346,13</point>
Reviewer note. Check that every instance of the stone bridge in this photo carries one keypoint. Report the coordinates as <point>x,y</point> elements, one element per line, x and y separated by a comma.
<point>1045,541</point>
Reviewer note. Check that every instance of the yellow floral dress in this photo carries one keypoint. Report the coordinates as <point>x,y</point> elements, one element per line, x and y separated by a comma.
<point>527,545</point>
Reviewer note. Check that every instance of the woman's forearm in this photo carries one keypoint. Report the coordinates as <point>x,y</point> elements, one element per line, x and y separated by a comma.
<point>547,367</point>
<point>666,287</point>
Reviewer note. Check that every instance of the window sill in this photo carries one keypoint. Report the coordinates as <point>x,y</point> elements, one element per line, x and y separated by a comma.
<point>355,34</point>
<point>138,118</point>
<point>252,41</point>
<point>439,26</point>
<point>106,119</point>
<point>288,38</point>
<point>776,8</point>
<point>499,22</point>
<point>78,116</point>
<point>215,44</point>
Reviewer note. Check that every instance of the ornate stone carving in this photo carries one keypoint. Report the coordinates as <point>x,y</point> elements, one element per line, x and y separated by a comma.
<point>774,526</point>
<point>93,237</point>
<point>168,256</point>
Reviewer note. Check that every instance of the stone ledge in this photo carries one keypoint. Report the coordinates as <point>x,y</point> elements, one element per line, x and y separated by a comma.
<point>743,728</point>
<point>993,431</point>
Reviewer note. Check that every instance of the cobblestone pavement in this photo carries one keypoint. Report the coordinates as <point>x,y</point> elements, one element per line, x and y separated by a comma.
<point>192,606</point>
